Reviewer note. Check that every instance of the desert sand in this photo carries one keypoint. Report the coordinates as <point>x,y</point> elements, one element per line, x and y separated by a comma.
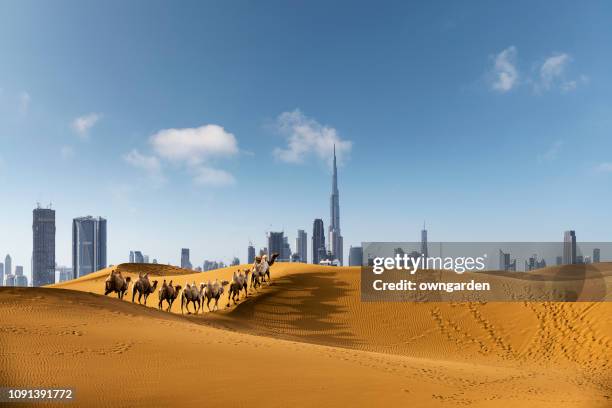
<point>306,340</point>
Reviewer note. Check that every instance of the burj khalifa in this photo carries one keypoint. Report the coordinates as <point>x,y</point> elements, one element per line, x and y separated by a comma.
<point>335,237</point>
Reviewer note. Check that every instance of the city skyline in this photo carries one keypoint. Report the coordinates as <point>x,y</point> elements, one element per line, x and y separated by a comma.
<point>444,130</point>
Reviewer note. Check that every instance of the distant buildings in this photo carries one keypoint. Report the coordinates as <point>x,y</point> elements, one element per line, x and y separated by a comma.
<point>185,262</point>
<point>335,236</point>
<point>356,256</point>
<point>43,252</point>
<point>533,263</point>
<point>278,244</point>
<point>9,280</point>
<point>318,241</point>
<point>212,265</point>
<point>505,263</point>
<point>131,259</point>
<point>301,246</point>
<point>88,245</point>
<point>569,247</point>
<point>20,279</point>
<point>235,261</point>
<point>1,274</point>
<point>559,260</point>
<point>424,249</point>
<point>63,273</point>
<point>8,266</point>
<point>596,255</point>
<point>250,254</point>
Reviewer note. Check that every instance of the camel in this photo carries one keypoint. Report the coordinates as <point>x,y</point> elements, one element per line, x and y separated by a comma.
<point>261,269</point>
<point>116,283</point>
<point>214,290</point>
<point>192,294</point>
<point>143,287</point>
<point>168,293</point>
<point>238,283</point>
<point>267,265</point>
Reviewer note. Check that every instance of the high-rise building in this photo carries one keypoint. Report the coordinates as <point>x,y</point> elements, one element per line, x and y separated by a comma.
<point>596,255</point>
<point>286,254</point>
<point>43,252</point>
<point>8,265</point>
<point>20,279</point>
<point>505,263</point>
<point>1,274</point>
<point>185,262</point>
<point>301,247</point>
<point>138,257</point>
<point>424,249</point>
<point>569,247</point>
<point>63,273</point>
<point>318,240</point>
<point>131,257</point>
<point>9,280</point>
<point>88,245</point>
<point>559,260</point>
<point>356,256</point>
<point>276,245</point>
<point>335,236</point>
<point>251,254</point>
<point>145,259</point>
<point>235,261</point>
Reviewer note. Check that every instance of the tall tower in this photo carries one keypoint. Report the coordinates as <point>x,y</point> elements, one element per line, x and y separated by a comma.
<point>301,246</point>
<point>318,240</point>
<point>88,245</point>
<point>43,248</point>
<point>335,236</point>
<point>569,247</point>
<point>424,249</point>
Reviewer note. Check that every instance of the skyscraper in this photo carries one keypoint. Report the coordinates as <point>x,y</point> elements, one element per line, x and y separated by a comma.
<point>569,247</point>
<point>138,257</point>
<point>335,236</point>
<point>1,274</point>
<point>250,254</point>
<point>318,240</point>
<point>356,256</point>
<point>8,266</point>
<point>301,246</point>
<point>185,262</point>
<point>424,249</point>
<point>21,280</point>
<point>596,255</point>
<point>276,245</point>
<point>43,252</point>
<point>131,256</point>
<point>88,245</point>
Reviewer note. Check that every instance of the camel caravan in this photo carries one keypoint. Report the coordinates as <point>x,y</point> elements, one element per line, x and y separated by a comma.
<point>193,294</point>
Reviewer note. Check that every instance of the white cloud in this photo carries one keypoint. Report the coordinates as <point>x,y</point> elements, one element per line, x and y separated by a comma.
<point>24,102</point>
<point>553,69</point>
<point>552,152</point>
<point>505,74</point>
<point>212,177</point>
<point>66,152</point>
<point>191,149</point>
<point>83,124</point>
<point>194,145</point>
<point>307,137</point>
<point>148,163</point>
<point>604,167</point>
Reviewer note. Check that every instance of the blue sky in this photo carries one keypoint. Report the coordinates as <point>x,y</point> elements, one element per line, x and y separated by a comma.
<point>492,121</point>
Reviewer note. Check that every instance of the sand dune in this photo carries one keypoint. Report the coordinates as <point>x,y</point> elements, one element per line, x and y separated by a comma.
<point>305,340</point>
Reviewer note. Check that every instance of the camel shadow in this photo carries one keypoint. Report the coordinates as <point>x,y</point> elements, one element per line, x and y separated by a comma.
<point>307,307</point>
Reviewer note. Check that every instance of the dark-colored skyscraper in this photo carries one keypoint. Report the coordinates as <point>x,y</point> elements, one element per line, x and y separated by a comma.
<point>43,252</point>
<point>569,247</point>
<point>335,236</point>
<point>1,274</point>
<point>596,255</point>
<point>250,254</point>
<point>318,240</point>
<point>301,246</point>
<point>356,256</point>
<point>276,245</point>
<point>185,262</point>
<point>424,249</point>
<point>88,245</point>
